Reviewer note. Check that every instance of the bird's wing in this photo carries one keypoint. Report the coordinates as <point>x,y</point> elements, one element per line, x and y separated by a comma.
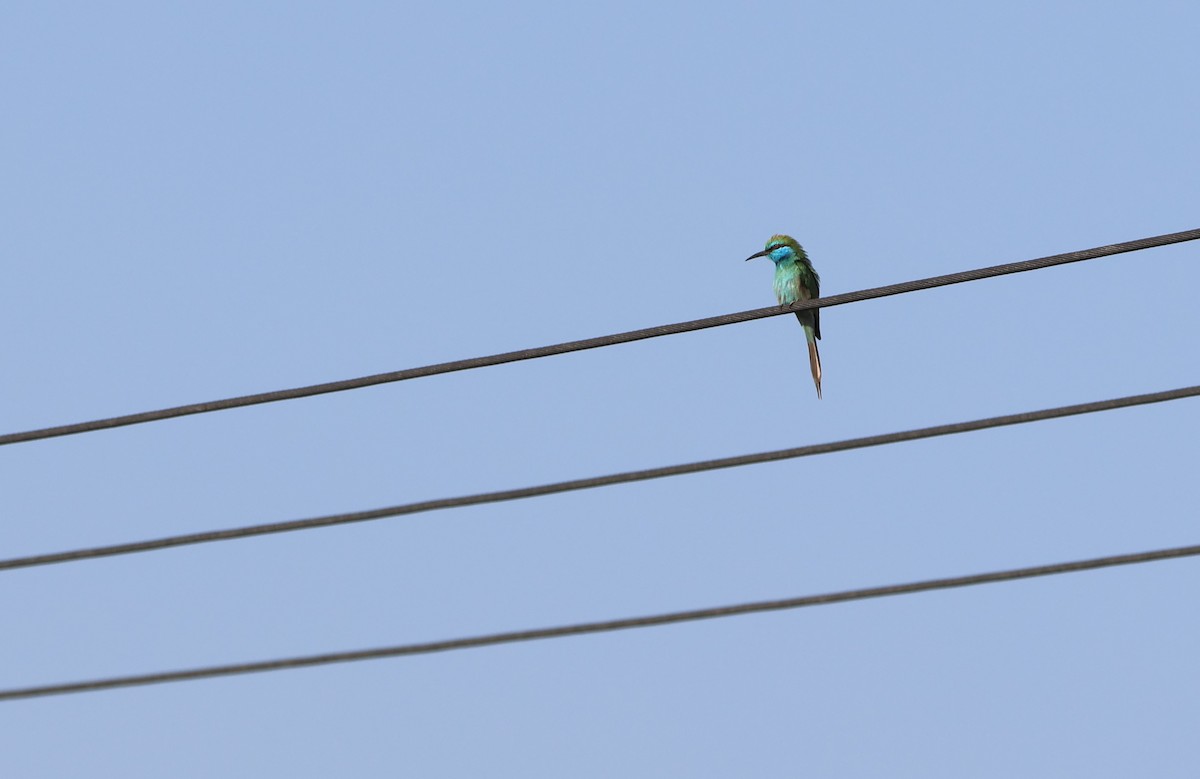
<point>810,287</point>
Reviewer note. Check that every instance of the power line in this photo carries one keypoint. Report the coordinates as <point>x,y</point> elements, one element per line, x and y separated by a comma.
<point>472,642</point>
<point>592,343</point>
<point>595,481</point>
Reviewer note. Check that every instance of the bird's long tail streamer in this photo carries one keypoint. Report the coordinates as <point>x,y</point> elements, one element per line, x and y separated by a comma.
<point>814,361</point>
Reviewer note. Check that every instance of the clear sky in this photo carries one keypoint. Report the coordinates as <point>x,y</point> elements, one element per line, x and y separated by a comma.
<point>208,199</point>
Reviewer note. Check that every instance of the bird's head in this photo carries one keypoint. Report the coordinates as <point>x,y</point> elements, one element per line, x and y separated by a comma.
<point>780,248</point>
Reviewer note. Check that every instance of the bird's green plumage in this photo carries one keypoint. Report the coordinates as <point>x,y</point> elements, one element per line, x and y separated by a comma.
<point>795,279</point>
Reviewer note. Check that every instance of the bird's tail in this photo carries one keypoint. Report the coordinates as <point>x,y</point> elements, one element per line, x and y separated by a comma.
<point>814,358</point>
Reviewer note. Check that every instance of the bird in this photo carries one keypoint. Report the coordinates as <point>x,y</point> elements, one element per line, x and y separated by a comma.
<point>795,280</point>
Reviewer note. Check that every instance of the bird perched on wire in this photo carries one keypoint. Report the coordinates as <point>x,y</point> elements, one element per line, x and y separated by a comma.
<point>795,280</point>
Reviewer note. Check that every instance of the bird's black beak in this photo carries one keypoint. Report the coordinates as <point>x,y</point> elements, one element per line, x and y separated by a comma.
<point>763,253</point>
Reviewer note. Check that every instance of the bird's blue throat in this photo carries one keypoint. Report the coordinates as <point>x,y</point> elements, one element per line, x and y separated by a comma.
<point>781,253</point>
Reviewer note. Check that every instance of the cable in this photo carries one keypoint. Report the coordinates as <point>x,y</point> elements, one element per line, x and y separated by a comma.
<point>595,481</point>
<point>592,343</point>
<point>669,618</point>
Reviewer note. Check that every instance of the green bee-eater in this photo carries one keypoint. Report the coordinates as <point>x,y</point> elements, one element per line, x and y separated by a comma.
<point>795,280</point>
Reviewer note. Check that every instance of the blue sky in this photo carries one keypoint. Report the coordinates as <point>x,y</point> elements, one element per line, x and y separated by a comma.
<point>204,200</point>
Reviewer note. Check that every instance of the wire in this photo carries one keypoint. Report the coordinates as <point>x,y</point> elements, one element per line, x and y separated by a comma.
<point>595,481</point>
<point>592,343</point>
<point>493,639</point>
